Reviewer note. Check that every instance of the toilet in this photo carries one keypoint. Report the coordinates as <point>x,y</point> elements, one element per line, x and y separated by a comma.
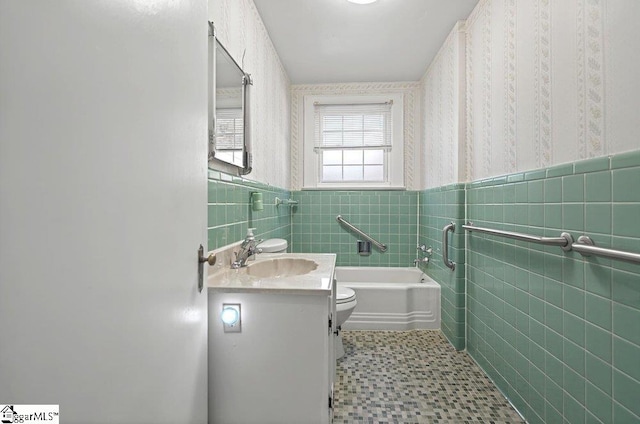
<point>345,297</point>
<point>274,245</point>
<point>345,304</point>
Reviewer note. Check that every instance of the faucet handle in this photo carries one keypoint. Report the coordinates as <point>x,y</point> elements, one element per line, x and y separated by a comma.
<point>426,250</point>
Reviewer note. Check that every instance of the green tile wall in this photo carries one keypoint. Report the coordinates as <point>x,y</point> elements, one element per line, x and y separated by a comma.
<point>388,216</point>
<point>230,212</point>
<point>437,208</point>
<point>558,333</point>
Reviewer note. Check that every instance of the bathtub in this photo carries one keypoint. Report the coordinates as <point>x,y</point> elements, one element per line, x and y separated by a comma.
<point>391,298</point>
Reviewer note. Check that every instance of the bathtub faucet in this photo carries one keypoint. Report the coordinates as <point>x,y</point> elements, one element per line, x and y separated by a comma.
<point>421,260</point>
<point>426,251</point>
<point>248,248</point>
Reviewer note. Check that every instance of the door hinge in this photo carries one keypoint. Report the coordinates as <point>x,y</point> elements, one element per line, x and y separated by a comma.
<point>330,402</point>
<point>330,323</point>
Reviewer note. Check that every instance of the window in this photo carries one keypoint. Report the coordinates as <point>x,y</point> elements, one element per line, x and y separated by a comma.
<point>353,141</point>
<point>229,135</point>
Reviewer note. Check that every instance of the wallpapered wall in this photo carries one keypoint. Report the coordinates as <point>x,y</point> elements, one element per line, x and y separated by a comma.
<point>411,93</point>
<point>240,29</point>
<point>547,83</point>
<point>443,109</point>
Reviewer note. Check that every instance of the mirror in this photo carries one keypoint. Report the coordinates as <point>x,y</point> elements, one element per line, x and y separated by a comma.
<point>228,112</point>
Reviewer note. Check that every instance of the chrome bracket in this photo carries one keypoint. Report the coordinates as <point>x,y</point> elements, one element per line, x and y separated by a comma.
<point>588,241</point>
<point>569,238</point>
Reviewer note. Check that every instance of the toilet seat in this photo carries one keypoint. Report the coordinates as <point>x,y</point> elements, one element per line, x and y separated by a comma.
<point>345,295</point>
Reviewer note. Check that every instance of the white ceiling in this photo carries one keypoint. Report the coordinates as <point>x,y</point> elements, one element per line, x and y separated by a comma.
<point>329,41</point>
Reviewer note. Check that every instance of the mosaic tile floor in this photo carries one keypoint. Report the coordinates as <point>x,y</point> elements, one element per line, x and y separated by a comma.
<point>413,377</point>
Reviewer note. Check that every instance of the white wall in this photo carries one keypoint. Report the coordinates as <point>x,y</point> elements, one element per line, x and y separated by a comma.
<point>443,111</point>
<point>622,68</point>
<point>240,29</point>
<point>547,82</point>
<point>411,113</point>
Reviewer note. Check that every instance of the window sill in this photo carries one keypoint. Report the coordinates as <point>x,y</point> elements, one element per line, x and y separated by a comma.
<point>353,188</point>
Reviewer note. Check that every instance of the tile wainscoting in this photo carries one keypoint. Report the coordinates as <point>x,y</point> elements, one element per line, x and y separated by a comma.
<point>558,333</point>
<point>388,216</point>
<point>230,214</point>
<point>437,208</point>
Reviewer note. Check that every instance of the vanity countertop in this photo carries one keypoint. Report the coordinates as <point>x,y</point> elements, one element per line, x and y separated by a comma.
<point>318,281</point>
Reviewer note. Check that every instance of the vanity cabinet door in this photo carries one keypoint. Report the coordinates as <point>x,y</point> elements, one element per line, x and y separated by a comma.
<point>278,368</point>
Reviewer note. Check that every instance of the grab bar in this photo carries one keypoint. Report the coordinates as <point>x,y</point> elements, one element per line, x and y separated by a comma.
<point>564,241</point>
<point>585,247</point>
<point>381,246</point>
<point>287,202</point>
<point>445,245</point>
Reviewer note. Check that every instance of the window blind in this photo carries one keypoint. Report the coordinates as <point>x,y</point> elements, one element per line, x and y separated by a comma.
<point>229,129</point>
<point>351,126</point>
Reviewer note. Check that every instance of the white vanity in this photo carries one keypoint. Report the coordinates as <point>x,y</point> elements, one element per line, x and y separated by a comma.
<point>276,364</point>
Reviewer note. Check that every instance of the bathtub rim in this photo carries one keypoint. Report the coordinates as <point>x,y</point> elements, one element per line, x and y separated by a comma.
<point>425,280</point>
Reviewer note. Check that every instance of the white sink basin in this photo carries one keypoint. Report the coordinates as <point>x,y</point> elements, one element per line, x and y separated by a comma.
<point>281,267</point>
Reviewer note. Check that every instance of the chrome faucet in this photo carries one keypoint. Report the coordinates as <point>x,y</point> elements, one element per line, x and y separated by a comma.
<point>427,251</point>
<point>248,248</point>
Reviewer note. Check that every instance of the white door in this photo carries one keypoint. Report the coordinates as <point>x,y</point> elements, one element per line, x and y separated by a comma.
<point>103,146</point>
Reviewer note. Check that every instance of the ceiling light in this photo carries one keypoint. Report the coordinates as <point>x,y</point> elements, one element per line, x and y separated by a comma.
<point>361,1</point>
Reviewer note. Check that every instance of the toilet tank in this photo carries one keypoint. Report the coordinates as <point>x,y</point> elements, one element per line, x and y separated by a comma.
<point>275,245</point>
